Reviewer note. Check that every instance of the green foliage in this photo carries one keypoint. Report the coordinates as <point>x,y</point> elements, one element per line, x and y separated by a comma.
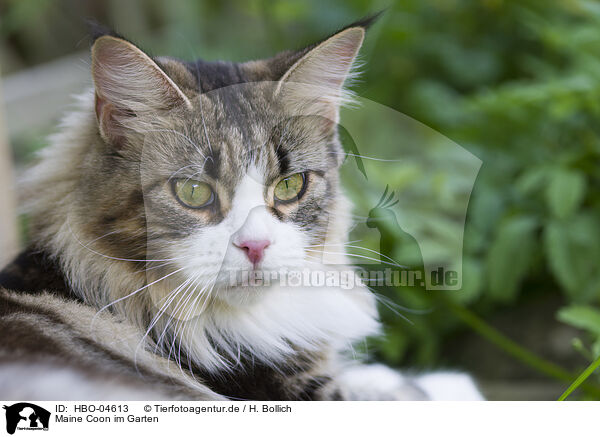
<point>565,191</point>
<point>573,253</point>
<point>518,84</point>
<point>586,318</point>
<point>510,256</point>
<point>582,317</point>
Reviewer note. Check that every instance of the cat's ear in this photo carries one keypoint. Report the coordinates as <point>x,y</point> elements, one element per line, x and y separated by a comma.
<point>128,84</point>
<point>314,84</point>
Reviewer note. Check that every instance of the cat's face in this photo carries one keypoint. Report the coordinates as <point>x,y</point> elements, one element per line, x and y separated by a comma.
<point>243,191</point>
<point>208,173</point>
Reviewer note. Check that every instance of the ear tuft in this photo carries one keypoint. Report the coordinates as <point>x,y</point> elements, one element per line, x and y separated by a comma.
<point>366,22</point>
<point>97,30</point>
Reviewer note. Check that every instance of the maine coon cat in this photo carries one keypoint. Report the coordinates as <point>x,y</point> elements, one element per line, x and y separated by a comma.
<point>168,183</point>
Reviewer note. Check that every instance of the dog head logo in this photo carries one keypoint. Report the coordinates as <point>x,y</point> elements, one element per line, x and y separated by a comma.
<point>26,416</point>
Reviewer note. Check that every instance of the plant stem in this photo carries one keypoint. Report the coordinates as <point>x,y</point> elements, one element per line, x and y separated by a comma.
<point>519,352</point>
<point>580,379</point>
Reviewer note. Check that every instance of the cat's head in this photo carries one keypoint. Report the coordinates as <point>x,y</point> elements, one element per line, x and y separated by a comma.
<point>219,169</point>
<point>185,178</point>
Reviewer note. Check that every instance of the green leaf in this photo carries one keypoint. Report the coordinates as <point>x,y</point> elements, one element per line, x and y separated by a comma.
<point>351,148</point>
<point>556,242</point>
<point>532,180</point>
<point>572,253</point>
<point>580,347</point>
<point>596,349</point>
<point>472,283</point>
<point>565,192</point>
<point>510,257</point>
<point>582,317</point>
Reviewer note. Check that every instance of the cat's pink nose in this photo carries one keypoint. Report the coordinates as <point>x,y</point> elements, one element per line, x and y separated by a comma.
<point>255,249</point>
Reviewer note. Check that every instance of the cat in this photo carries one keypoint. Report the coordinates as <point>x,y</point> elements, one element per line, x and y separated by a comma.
<point>167,182</point>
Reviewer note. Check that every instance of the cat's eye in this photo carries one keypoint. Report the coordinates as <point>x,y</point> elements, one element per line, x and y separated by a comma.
<point>290,188</point>
<point>193,194</point>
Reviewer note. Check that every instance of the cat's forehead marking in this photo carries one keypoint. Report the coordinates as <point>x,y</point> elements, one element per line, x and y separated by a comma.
<point>255,174</point>
<point>250,190</point>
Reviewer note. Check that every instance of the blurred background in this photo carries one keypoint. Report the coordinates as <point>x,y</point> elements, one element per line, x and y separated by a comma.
<point>516,83</point>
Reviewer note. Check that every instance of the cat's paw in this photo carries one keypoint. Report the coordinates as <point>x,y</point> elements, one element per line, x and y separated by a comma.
<point>449,386</point>
<point>376,382</point>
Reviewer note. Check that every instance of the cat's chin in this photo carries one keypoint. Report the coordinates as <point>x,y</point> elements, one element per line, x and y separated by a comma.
<point>242,295</point>
<point>240,288</point>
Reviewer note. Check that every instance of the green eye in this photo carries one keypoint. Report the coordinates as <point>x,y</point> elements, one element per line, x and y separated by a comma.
<point>193,194</point>
<point>290,188</point>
